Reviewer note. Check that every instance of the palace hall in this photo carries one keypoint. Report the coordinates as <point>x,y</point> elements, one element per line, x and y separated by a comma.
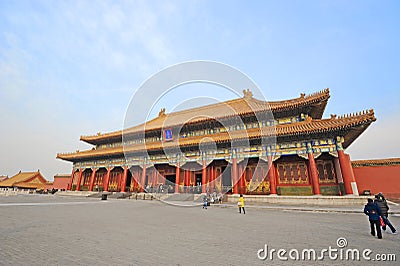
<point>240,146</point>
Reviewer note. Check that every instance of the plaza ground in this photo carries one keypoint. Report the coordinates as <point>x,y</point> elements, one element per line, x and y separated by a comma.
<point>48,229</point>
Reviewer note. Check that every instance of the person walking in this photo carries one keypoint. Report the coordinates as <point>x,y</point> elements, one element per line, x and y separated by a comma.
<point>241,204</point>
<point>384,207</point>
<point>373,212</point>
<point>205,202</point>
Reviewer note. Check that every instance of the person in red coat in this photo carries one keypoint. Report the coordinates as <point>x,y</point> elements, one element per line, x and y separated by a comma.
<point>384,207</point>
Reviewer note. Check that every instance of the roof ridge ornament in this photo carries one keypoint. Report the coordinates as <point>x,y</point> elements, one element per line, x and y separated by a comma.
<point>247,94</point>
<point>317,93</point>
<point>162,112</point>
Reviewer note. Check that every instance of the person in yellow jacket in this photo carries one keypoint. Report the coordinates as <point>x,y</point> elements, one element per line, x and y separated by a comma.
<point>241,204</point>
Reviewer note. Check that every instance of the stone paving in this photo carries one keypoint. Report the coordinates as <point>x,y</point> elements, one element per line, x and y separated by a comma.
<point>54,230</point>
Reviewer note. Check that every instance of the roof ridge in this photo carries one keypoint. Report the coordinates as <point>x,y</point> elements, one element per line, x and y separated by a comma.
<point>28,172</point>
<point>368,112</point>
<point>377,159</point>
<point>376,162</point>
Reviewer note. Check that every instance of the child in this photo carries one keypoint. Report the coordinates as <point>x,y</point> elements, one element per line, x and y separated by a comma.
<point>241,204</point>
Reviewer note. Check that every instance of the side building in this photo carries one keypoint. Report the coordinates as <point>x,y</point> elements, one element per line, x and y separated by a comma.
<point>24,181</point>
<point>220,148</point>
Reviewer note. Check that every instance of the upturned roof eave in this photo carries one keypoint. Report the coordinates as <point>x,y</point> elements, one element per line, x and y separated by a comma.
<point>351,125</point>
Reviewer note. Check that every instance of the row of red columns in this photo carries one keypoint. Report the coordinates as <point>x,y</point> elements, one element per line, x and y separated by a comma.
<point>187,177</point>
<point>238,182</point>
<point>121,182</point>
<point>345,166</point>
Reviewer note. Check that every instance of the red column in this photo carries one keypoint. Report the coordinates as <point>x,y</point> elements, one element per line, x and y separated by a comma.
<point>314,173</point>
<point>107,180</point>
<point>123,185</point>
<point>271,175</point>
<point>163,179</point>
<point>212,178</point>
<point>234,172</point>
<point>242,180</point>
<point>143,179</point>
<point>150,179</point>
<point>204,177</point>
<point>71,182</point>
<point>155,177</point>
<point>347,173</point>
<point>134,179</point>
<point>185,180</point>
<point>150,175</point>
<point>191,178</point>
<point>78,185</point>
<point>177,177</point>
<point>119,180</point>
<point>352,177</point>
<point>92,180</point>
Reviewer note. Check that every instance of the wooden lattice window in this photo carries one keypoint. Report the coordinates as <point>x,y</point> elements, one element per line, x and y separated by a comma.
<point>303,173</point>
<point>113,183</point>
<point>99,179</point>
<point>86,178</point>
<point>326,172</point>
<point>249,173</point>
<point>292,173</point>
<point>76,177</point>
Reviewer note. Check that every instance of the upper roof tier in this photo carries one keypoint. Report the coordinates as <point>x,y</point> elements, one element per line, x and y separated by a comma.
<point>348,126</point>
<point>312,105</point>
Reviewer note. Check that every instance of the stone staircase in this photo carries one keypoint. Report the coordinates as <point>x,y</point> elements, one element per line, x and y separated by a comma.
<point>180,197</point>
<point>119,195</point>
<point>95,195</point>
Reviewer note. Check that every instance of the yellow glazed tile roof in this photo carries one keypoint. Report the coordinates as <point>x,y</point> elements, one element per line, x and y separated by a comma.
<point>355,124</point>
<point>23,177</point>
<point>240,106</point>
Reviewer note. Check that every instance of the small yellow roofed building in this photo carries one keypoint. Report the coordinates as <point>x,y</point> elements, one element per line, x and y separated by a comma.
<point>25,180</point>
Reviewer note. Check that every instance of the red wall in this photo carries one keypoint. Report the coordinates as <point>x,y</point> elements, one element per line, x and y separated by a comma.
<point>60,182</point>
<point>385,179</point>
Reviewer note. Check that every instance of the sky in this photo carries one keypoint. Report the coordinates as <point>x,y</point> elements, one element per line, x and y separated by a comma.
<point>70,68</point>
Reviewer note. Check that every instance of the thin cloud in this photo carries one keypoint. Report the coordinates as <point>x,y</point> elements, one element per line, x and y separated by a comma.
<point>380,140</point>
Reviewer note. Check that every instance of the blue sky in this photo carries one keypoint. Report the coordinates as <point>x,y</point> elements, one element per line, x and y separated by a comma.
<point>69,68</point>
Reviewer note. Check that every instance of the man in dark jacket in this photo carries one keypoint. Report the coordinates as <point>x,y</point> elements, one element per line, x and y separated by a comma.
<point>384,207</point>
<point>373,212</point>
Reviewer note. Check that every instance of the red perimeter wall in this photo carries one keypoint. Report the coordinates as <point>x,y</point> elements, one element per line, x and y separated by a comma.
<point>60,183</point>
<point>385,179</point>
